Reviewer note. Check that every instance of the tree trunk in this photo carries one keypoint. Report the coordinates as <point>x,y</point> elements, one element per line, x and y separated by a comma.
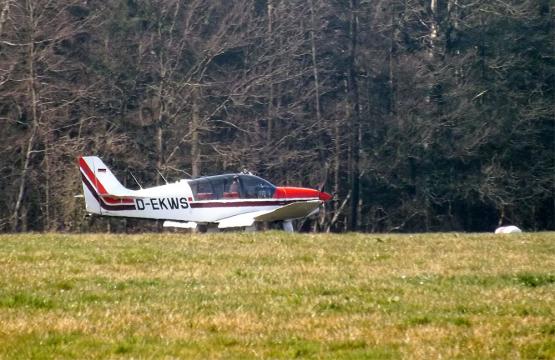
<point>338,152</point>
<point>47,182</point>
<point>269,128</point>
<point>4,14</point>
<point>23,177</point>
<point>195,145</point>
<point>355,118</point>
<point>160,134</point>
<point>433,6</point>
<point>391,65</point>
<point>314,64</point>
<point>34,117</point>
<point>160,147</point>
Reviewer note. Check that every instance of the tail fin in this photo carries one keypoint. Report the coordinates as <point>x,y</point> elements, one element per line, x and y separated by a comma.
<point>101,188</point>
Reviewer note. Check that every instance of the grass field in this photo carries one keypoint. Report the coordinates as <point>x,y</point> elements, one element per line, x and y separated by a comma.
<point>277,295</point>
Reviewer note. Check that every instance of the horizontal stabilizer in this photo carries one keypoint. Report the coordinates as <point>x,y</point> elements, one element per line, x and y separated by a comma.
<point>121,195</point>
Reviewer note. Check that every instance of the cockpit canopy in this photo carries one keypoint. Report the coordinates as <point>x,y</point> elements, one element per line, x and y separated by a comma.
<point>232,186</point>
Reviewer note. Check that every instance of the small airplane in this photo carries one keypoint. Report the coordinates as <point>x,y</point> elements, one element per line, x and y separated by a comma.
<point>207,203</point>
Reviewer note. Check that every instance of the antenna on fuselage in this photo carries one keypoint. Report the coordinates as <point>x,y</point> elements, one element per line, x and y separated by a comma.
<point>159,173</point>
<point>134,178</point>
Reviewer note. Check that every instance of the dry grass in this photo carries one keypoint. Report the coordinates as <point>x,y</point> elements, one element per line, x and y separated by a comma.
<point>277,295</point>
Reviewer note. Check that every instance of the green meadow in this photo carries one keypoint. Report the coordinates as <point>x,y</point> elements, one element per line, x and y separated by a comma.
<point>277,295</point>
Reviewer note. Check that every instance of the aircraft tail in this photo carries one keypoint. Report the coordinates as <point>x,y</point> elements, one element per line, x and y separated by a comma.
<point>103,192</point>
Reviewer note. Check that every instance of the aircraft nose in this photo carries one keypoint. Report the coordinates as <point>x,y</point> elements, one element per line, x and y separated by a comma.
<point>324,196</point>
<point>299,193</point>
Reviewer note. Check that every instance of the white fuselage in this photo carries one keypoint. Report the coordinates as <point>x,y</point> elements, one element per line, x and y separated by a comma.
<point>175,202</point>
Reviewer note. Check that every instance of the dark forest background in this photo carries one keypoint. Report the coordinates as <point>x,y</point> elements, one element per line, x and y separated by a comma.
<point>432,115</point>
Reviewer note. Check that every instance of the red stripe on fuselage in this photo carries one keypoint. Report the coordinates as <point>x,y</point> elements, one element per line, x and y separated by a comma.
<point>99,199</point>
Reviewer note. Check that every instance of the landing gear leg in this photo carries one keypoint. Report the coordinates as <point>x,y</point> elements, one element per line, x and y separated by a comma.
<point>288,226</point>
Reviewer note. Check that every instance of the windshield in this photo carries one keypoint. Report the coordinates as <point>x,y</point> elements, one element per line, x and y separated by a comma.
<point>231,187</point>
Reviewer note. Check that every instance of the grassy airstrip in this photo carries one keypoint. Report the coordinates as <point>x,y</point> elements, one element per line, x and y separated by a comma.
<point>277,295</point>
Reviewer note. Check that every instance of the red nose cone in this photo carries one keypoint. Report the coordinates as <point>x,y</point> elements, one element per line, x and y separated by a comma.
<point>324,196</point>
<point>300,193</point>
<point>291,192</point>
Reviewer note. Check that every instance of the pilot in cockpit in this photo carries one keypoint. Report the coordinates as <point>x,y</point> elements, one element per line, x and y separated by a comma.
<point>234,187</point>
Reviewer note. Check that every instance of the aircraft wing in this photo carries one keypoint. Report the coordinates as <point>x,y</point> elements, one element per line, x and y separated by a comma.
<point>291,211</point>
<point>241,219</point>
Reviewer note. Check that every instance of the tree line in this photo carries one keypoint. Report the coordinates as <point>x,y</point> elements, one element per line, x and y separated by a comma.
<point>418,115</point>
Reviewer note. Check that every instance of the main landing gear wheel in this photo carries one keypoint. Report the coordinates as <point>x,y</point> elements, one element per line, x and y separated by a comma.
<point>288,226</point>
